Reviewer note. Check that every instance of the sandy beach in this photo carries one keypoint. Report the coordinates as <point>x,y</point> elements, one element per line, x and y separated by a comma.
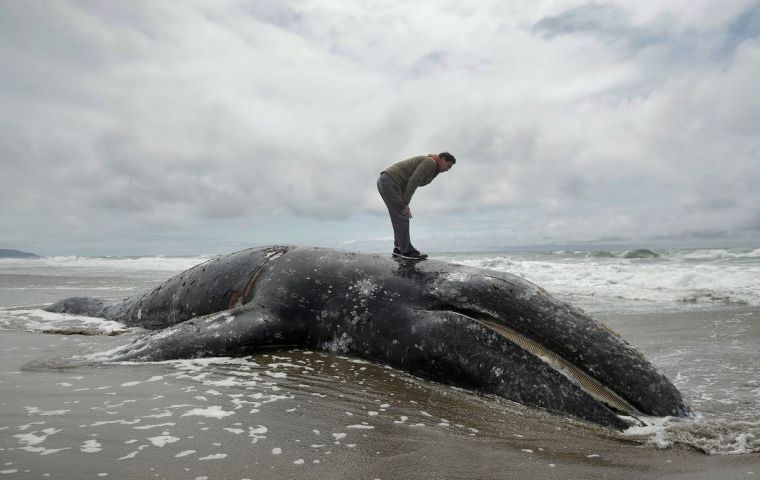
<point>293,415</point>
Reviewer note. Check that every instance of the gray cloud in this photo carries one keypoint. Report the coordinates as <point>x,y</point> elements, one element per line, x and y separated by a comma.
<point>663,41</point>
<point>746,26</point>
<point>275,13</point>
<point>605,21</point>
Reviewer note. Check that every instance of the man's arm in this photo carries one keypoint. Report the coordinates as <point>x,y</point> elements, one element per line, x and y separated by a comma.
<point>421,176</point>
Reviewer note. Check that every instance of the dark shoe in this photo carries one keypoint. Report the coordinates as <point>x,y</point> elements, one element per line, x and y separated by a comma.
<point>415,255</point>
<point>396,252</point>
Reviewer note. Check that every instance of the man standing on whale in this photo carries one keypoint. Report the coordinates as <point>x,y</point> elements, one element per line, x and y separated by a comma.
<point>397,184</point>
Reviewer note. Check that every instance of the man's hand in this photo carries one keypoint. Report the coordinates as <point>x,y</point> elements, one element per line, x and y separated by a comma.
<point>435,156</point>
<point>407,212</point>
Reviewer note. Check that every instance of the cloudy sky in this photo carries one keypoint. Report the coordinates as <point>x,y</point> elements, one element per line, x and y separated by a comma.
<point>187,127</point>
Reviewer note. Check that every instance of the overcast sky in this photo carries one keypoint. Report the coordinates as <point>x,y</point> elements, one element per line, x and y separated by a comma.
<point>182,127</point>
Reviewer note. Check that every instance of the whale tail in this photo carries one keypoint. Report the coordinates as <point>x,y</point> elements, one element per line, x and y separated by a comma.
<point>86,306</point>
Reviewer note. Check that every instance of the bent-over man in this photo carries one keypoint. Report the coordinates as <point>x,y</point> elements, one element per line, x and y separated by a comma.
<point>397,184</point>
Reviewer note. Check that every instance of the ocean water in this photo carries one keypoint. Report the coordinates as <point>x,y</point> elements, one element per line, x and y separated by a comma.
<point>695,313</point>
<point>636,280</point>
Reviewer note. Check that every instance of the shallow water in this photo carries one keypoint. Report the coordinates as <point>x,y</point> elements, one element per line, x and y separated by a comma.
<point>711,355</point>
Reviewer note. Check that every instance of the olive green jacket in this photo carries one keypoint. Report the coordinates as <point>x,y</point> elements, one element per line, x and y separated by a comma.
<point>412,173</point>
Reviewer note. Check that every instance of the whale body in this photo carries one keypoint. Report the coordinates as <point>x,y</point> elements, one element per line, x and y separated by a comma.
<point>488,331</point>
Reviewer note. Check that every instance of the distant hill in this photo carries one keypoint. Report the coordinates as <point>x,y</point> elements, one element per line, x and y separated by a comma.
<point>5,253</point>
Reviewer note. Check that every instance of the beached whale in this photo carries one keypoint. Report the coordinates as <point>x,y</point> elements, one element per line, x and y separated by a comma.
<point>488,331</point>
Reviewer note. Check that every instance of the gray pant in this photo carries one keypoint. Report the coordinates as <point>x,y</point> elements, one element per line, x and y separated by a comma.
<point>394,200</point>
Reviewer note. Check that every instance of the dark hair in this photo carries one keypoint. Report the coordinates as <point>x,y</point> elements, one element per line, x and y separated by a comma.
<point>448,157</point>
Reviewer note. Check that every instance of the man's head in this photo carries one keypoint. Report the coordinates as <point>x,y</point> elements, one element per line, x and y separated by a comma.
<point>445,160</point>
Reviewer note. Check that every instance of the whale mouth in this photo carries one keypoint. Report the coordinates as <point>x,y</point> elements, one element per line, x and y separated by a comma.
<point>587,383</point>
<point>583,380</point>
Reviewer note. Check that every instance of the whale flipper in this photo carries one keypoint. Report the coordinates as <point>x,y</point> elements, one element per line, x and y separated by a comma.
<point>232,332</point>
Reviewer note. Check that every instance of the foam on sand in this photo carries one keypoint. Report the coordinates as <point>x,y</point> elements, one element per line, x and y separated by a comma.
<point>214,411</point>
<point>38,320</point>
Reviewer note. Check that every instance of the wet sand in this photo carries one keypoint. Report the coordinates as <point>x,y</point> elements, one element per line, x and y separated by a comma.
<point>298,415</point>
